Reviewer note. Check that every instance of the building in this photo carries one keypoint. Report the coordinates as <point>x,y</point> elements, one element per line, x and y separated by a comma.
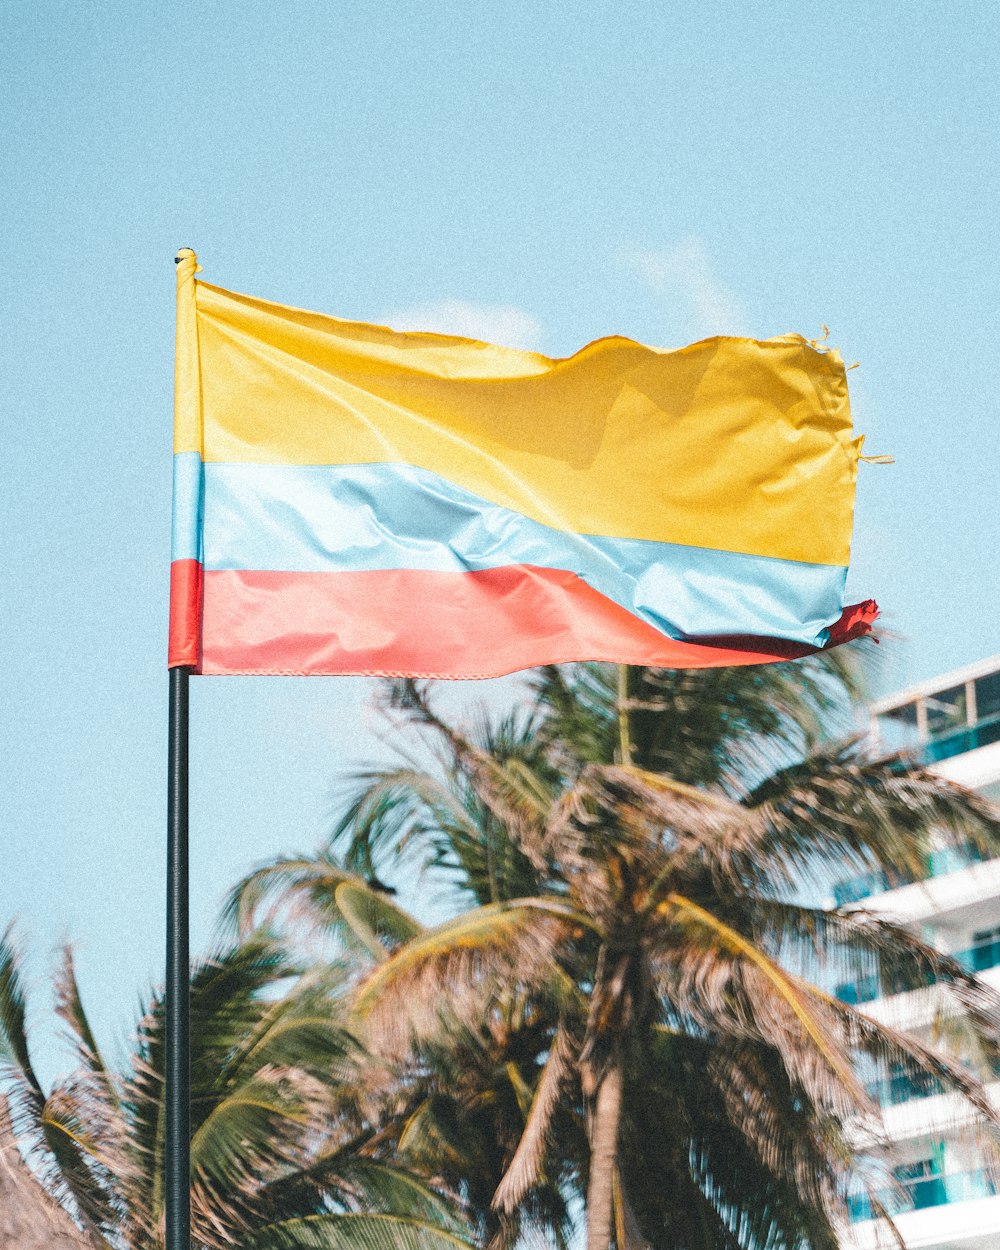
<point>950,1202</point>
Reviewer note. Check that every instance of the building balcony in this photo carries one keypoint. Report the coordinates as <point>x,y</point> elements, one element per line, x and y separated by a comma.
<point>916,1008</point>
<point>956,714</point>
<point>893,1091</point>
<point>869,884</point>
<point>926,1191</point>
<point>978,958</point>
<point>959,741</point>
<point>960,879</point>
<point>927,1113</point>
<point>952,1225</point>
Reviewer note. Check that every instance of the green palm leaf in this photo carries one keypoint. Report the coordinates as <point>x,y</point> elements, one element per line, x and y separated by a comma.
<point>375,921</point>
<point>69,1006</point>
<point>355,1232</point>
<point>15,1056</point>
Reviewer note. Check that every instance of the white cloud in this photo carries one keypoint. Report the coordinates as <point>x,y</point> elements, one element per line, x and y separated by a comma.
<point>492,323</point>
<point>686,272</point>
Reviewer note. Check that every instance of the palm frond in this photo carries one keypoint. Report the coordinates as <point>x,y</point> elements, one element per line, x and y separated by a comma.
<point>391,809</point>
<point>457,967</point>
<point>85,1152</point>
<point>227,997</point>
<point>709,727</point>
<point>440,819</point>
<point>578,706</point>
<point>715,1124</point>
<point>838,810</point>
<point>258,1126</point>
<point>380,925</point>
<point>355,1232</point>
<point>14,1052</point>
<point>61,1132</point>
<point>25,1096</point>
<point>365,1184</point>
<point>905,1053</point>
<point>432,1140</point>
<point>517,788</point>
<point>525,1169</point>
<point>69,1007</point>
<point>765,995</point>
<point>854,941</point>
<point>300,886</point>
<point>779,1128</point>
<point>297,1031</point>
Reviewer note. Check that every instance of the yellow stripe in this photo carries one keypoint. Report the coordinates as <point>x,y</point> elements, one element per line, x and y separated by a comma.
<point>731,444</point>
<point>187,385</point>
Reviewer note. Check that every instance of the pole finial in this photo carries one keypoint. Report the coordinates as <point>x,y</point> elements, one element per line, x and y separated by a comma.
<point>187,264</point>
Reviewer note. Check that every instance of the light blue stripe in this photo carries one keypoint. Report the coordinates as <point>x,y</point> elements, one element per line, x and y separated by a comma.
<point>330,518</point>
<point>186,536</point>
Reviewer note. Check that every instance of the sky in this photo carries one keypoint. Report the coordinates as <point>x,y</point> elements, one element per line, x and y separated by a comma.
<point>536,174</point>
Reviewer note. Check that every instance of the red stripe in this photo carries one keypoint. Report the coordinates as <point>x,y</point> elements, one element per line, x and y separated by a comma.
<point>428,624</point>
<point>185,613</point>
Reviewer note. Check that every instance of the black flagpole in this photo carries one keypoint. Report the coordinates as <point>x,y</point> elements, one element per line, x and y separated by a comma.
<point>177,1145</point>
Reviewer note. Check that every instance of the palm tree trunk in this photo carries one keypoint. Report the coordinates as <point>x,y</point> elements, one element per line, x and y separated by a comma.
<point>603,1157</point>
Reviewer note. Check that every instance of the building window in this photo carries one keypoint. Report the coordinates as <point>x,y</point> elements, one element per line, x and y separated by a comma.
<point>988,696</point>
<point>946,711</point>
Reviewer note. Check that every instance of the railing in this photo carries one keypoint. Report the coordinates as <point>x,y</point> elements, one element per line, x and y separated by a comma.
<point>952,858</point>
<point>903,1087</point>
<point>894,1090</point>
<point>925,1191</point>
<point>968,738</point>
<point>940,863</point>
<point>867,989</point>
<point>863,886</point>
<point>978,958</point>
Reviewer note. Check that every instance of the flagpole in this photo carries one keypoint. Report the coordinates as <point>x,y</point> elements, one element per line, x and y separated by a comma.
<point>182,661</point>
<point>177,1145</point>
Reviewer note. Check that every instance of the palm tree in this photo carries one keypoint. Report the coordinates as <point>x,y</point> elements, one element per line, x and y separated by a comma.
<point>455,1109</point>
<point>667,823</point>
<point>282,1156</point>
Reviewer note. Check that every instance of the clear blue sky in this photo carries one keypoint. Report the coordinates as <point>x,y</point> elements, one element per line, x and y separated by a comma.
<point>540,173</point>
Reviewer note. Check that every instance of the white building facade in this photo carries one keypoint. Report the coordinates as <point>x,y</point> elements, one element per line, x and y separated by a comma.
<point>949,1201</point>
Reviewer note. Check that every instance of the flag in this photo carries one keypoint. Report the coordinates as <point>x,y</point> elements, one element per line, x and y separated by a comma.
<point>352,499</point>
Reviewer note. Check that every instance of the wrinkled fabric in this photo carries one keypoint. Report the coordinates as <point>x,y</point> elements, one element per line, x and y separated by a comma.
<point>349,499</point>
